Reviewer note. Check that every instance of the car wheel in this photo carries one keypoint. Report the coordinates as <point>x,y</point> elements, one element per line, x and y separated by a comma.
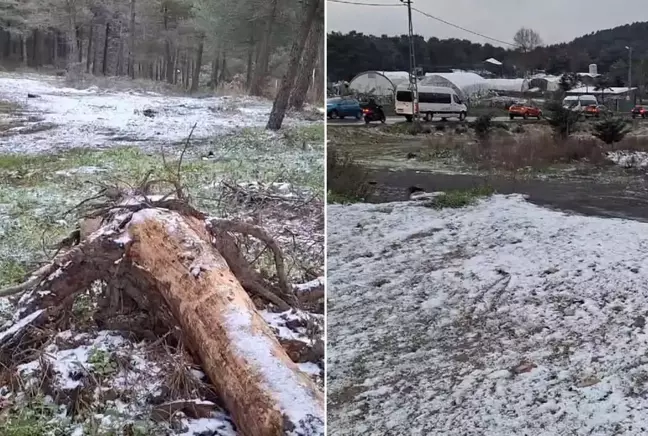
<point>526,116</point>
<point>383,119</point>
<point>334,114</point>
<point>511,117</point>
<point>366,119</point>
<point>408,118</point>
<point>462,116</point>
<point>359,115</point>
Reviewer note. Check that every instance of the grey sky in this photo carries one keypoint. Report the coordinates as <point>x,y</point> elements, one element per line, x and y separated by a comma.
<point>554,20</point>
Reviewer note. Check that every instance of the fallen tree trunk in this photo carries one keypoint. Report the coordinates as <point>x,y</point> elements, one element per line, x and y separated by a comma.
<point>166,262</point>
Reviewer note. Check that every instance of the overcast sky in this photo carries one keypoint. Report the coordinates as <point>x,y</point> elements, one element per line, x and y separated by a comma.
<point>554,20</point>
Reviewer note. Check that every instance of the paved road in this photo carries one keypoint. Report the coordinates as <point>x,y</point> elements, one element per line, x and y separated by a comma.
<point>393,120</point>
<point>587,197</point>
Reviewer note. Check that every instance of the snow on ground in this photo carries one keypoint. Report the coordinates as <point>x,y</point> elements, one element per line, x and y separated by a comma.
<point>127,385</point>
<point>100,118</point>
<point>498,319</point>
<point>629,159</point>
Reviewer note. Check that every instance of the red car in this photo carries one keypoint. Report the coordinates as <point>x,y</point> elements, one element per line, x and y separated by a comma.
<point>639,111</point>
<point>594,110</point>
<point>520,110</point>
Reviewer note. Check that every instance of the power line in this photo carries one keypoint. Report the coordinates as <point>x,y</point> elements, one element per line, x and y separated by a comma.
<point>462,28</point>
<point>364,4</point>
<point>441,20</point>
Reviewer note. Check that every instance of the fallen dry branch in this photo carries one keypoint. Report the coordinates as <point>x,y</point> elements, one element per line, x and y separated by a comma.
<point>166,260</point>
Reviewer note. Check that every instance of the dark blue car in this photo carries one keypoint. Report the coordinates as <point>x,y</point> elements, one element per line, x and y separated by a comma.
<point>339,107</point>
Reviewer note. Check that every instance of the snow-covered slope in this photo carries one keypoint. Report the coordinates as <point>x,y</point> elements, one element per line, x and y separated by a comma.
<point>498,319</point>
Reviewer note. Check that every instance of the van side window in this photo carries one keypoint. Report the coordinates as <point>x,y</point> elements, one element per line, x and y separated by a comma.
<point>433,97</point>
<point>455,98</point>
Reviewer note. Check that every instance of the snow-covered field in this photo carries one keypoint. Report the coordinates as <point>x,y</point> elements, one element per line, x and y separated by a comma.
<point>498,319</point>
<point>101,118</point>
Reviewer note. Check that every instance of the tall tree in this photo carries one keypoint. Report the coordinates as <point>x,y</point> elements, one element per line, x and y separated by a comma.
<point>309,59</point>
<point>526,39</point>
<point>313,8</point>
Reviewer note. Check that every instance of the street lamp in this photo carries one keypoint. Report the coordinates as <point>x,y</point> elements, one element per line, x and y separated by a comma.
<point>629,70</point>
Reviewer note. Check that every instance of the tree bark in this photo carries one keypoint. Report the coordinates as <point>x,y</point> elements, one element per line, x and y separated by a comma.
<point>313,8</point>
<point>213,82</point>
<point>223,69</point>
<point>320,77</point>
<point>195,82</point>
<point>249,66</point>
<point>170,70</point>
<point>90,56</point>
<point>104,66</point>
<point>25,57</point>
<point>261,68</point>
<point>131,41</point>
<point>309,59</point>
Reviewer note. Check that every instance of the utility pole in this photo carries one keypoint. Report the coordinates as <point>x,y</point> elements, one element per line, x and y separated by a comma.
<point>412,63</point>
<point>629,71</point>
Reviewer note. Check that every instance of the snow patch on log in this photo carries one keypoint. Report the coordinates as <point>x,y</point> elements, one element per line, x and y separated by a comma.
<point>310,286</point>
<point>19,327</point>
<point>293,398</point>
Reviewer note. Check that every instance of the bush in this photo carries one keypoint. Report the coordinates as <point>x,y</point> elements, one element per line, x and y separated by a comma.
<point>611,130</point>
<point>347,180</point>
<point>563,121</point>
<point>483,126</point>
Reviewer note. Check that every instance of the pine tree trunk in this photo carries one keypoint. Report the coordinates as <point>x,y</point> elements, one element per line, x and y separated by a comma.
<point>309,58</point>
<point>213,82</point>
<point>90,48</point>
<point>250,58</point>
<point>261,69</point>
<point>104,65</point>
<point>223,70</point>
<point>170,70</point>
<point>79,38</point>
<point>195,82</point>
<point>320,77</point>
<point>131,42</point>
<point>313,9</point>
<point>25,56</point>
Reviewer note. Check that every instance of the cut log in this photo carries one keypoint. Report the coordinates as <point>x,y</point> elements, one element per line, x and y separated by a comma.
<point>168,263</point>
<point>262,388</point>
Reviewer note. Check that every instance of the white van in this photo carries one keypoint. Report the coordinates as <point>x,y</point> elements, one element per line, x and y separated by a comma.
<point>433,100</point>
<point>578,103</point>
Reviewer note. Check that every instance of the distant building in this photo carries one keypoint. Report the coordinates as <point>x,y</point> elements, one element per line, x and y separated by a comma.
<point>615,97</point>
<point>378,83</point>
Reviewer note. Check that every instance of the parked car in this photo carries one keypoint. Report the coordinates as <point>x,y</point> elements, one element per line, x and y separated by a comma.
<point>595,110</point>
<point>524,111</point>
<point>339,107</point>
<point>639,111</point>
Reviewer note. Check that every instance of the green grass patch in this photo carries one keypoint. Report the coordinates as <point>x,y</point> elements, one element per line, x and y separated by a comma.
<point>460,198</point>
<point>37,190</point>
<point>348,181</point>
<point>35,418</point>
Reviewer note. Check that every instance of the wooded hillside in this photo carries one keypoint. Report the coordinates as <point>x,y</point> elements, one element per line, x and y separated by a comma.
<point>352,53</point>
